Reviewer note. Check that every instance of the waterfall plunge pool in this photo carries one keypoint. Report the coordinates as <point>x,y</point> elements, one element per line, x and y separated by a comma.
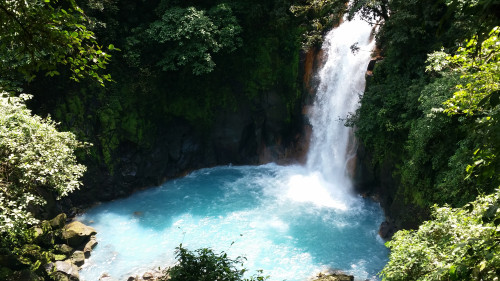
<point>285,220</point>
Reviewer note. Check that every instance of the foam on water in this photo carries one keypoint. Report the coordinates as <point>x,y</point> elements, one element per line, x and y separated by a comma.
<point>290,237</point>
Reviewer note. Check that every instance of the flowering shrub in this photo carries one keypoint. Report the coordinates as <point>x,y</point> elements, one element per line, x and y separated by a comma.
<point>33,156</point>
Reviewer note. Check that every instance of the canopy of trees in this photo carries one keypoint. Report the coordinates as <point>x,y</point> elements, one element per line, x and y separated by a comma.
<point>429,114</point>
<point>37,35</point>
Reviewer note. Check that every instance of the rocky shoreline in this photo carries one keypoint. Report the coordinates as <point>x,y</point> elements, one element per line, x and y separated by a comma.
<point>79,241</point>
<point>156,275</point>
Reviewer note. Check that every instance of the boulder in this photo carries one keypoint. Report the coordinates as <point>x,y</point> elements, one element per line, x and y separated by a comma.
<point>59,221</point>
<point>76,233</point>
<point>63,271</point>
<point>63,249</point>
<point>89,246</point>
<point>387,230</point>
<point>148,276</point>
<point>78,258</point>
<point>105,277</point>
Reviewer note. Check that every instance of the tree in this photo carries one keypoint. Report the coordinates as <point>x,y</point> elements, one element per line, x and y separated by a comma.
<point>457,244</point>
<point>191,37</point>
<point>34,157</point>
<point>372,11</point>
<point>317,18</point>
<point>38,35</point>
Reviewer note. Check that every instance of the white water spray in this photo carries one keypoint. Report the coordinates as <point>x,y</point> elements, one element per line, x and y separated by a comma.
<point>342,80</point>
<point>287,236</point>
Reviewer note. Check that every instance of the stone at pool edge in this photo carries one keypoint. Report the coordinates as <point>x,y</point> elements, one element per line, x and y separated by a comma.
<point>59,221</point>
<point>78,258</point>
<point>64,271</point>
<point>76,233</point>
<point>335,277</point>
<point>90,246</point>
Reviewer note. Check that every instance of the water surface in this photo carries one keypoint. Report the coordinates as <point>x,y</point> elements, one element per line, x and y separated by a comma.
<point>288,233</point>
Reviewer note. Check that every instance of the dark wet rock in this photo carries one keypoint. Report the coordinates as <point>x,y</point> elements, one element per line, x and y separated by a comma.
<point>387,230</point>
<point>148,276</point>
<point>89,246</point>
<point>63,249</point>
<point>106,277</point>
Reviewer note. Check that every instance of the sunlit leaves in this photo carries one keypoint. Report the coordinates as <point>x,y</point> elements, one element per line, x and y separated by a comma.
<point>38,35</point>
<point>458,244</point>
<point>205,265</point>
<point>476,97</point>
<point>33,155</point>
<point>191,37</point>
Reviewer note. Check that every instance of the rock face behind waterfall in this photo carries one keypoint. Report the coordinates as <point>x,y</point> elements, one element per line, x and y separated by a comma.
<point>257,133</point>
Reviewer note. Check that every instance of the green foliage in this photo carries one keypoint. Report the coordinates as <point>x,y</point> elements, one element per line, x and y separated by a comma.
<point>205,265</point>
<point>419,124</point>
<point>38,35</point>
<point>317,18</point>
<point>191,37</point>
<point>372,11</point>
<point>476,100</point>
<point>33,156</point>
<point>457,244</point>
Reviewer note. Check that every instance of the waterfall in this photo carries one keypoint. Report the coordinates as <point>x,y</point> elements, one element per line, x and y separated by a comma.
<point>290,221</point>
<point>341,81</point>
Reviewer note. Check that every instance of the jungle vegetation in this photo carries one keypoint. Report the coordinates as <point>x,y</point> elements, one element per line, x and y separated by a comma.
<point>429,114</point>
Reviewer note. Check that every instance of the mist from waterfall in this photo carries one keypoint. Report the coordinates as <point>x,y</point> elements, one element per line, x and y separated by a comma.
<point>342,80</point>
<point>347,50</point>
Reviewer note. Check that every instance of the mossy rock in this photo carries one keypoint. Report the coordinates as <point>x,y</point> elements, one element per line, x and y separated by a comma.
<point>59,221</point>
<point>63,249</point>
<point>63,271</point>
<point>78,258</point>
<point>5,272</point>
<point>8,260</point>
<point>76,233</point>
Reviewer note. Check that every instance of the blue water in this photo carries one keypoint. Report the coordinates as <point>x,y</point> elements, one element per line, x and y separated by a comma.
<point>284,219</point>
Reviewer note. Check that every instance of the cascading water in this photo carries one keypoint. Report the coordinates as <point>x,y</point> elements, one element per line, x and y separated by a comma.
<point>290,221</point>
<point>342,79</point>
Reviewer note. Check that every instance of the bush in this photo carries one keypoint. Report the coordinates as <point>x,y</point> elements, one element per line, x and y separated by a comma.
<point>458,244</point>
<point>205,265</point>
<point>34,158</point>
